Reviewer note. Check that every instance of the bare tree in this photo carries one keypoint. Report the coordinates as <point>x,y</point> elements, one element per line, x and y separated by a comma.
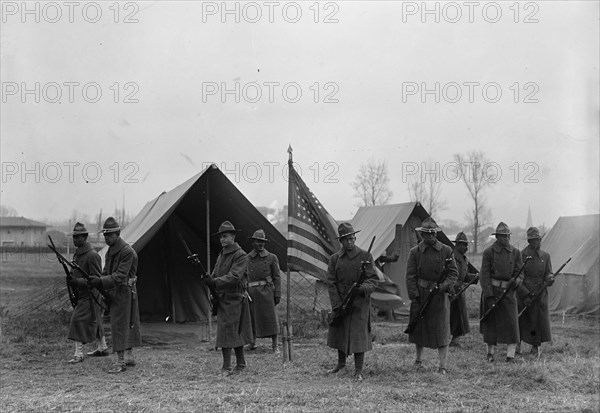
<point>426,188</point>
<point>371,184</point>
<point>6,211</point>
<point>478,173</point>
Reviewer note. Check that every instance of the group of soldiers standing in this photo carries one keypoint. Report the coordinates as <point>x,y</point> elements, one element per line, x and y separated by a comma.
<point>436,279</point>
<point>248,287</point>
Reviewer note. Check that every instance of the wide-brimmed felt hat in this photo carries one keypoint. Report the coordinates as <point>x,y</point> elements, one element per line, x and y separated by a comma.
<point>428,225</point>
<point>259,235</point>
<point>78,229</point>
<point>345,229</point>
<point>461,237</point>
<point>227,227</point>
<point>110,225</point>
<point>502,229</point>
<point>533,233</point>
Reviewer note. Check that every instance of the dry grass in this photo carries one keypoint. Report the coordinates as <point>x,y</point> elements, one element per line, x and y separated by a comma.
<point>178,373</point>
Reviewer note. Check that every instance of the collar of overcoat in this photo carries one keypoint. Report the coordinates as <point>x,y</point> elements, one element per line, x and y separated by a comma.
<point>230,248</point>
<point>83,249</point>
<point>530,251</point>
<point>437,246</point>
<point>351,254</point>
<point>254,253</point>
<point>497,247</point>
<point>116,248</point>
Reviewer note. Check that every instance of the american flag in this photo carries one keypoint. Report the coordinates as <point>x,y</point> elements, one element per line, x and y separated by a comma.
<point>311,230</point>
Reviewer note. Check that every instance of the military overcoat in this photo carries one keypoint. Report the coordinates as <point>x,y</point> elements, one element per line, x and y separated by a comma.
<point>263,269</point>
<point>353,334</point>
<point>425,266</point>
<point>459,318</point>
<point>86,320</point>
<point>233,304</point>
<point>534,324</point>
<point>119,277</point>
<point>499,264</point>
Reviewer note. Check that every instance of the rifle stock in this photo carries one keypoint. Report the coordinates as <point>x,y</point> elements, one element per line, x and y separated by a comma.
<point>505,292</point>
<point>423,309</point>
<point>346,307</point>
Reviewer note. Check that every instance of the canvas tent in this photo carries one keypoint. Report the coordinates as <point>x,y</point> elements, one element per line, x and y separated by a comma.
<point>168,284</point>
<point>394,227</point>
<point>577,288</point>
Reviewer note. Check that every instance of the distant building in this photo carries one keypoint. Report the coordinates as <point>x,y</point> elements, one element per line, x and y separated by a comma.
<point>21,232</point>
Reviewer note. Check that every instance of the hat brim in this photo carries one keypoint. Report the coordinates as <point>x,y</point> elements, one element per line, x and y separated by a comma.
<point>501,233</point>
<point>229,231</point>
<point>461,241</point>
<point>536,237</point>
<point>347,235</point>
<point>108,230</point>
<point>430,230</point>
<point>260,239</point>
<point>74,233</point>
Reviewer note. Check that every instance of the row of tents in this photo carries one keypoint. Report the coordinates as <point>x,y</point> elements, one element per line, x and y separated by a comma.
<point>169,288</point>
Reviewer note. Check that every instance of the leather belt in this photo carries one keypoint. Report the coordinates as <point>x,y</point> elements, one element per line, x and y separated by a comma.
<point>257,283</point>
<point>500,283</point>
<point>426,284</point>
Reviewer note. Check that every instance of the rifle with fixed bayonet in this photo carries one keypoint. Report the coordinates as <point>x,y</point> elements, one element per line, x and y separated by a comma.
<point>511,285</point>
<point>432,292</point>
<point>73,296</point>
<point>75,267</point>
<point>213,296</point>
<point>342,311</point>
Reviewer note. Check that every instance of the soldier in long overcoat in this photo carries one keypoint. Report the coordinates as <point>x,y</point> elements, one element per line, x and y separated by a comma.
<point>353,334</point>
<point>428,263</point>
<point>500,263</point>
<point>119,278</point>
<point>234,329</point>
<point>86,320</point>
<point>459,317</point>
<point>534,323</point>
<point>264,287</point>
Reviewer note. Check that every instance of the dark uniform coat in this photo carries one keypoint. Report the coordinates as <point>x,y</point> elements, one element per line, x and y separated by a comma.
<point>459,318</point>
<point>534,324</point>
<point>119,277</point>
<point>425,265</point>
<point>264,267</point>
<point>353,334</point>
<point>500,263</point>
<point>233,304</point>
<point>86,320</point>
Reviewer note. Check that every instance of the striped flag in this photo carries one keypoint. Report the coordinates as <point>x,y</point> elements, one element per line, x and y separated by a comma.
<point>311,230</point>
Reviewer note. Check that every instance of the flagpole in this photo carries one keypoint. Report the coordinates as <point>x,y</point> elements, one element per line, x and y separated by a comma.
<point>288,326</point>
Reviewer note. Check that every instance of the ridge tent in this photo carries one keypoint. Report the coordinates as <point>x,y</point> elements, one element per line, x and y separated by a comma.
<point>394,227</point>
<point>168,283</point>
<point>577,288</point>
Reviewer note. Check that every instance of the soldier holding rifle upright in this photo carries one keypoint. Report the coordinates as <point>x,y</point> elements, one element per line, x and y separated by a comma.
<point>500,267</point>
<point>86,320</point>
<point>233,319</point>
<point>430,269</point>
<point>534,323</point>
<point>351,335</point>
<point>119,277</point>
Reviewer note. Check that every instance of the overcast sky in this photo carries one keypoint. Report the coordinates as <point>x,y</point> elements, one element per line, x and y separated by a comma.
<point>342,82</point>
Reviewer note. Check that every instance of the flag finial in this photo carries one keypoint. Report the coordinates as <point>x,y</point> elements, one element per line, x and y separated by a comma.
<point>290,150</point>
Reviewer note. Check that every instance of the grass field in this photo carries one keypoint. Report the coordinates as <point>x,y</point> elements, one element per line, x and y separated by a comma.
<point>178,373</point>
